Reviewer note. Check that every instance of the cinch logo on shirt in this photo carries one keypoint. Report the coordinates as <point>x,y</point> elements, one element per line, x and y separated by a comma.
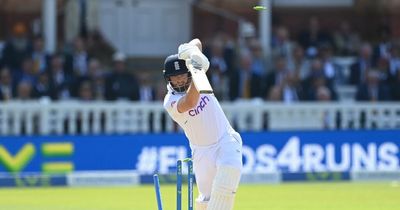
<point>200,107</point>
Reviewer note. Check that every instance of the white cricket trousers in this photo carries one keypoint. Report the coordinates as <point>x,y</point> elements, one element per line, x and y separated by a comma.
<point>206,160</point>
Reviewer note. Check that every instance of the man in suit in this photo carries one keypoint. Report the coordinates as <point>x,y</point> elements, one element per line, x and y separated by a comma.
<point>120,84</point>
<point>363,64</point>
<point>373,89</point>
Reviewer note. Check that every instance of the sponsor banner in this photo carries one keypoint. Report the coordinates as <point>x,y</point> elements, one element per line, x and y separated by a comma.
<point>103,178</point>
<point>294,152</point>
<point>263,152</point>
<point>316,176</point>
<point>149,152</point>
<point>267,178</point>
<point>375,176</point>
<point>32,180</point>
<point>163,178</point>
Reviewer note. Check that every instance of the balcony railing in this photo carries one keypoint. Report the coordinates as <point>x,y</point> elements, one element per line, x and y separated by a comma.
<point>73,117</point>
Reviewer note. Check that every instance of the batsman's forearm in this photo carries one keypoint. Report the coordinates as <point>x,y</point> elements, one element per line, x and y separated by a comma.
<point>193,94</point>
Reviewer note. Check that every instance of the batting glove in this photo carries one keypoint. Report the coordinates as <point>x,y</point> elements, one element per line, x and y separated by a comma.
<point>193,56</point>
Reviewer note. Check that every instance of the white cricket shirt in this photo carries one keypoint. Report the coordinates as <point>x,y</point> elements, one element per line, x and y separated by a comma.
<point>205,124</point>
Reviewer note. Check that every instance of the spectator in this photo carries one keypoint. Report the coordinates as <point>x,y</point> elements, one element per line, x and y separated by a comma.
<point>95,76</point>
<point>275,94</point>
<point>372,89</point>
<point>120,84</point>
<point>291,89</point>
<point>99,48</point>
<point>329,68</point>
<point>24,91</point>
<point>383,69</point>
<point>6,86</point>
<point>313,37</point>
<point>43,89</point>
<point>39,56</point>
<point>362,65</point>
<point>245,84</point>
<point>77,62</point>
<point>224,46</point>
<point>60,81</point>
<point>323,94</point>
<point>218,70</point>
<point>382,49</point>
<point>247,34</point>
<point>17,48</point>
<point>346,41</point>
<point>258,66</point>
<point>300,65</point>
<point>147,90</point>
<point>86,91</point>
<point>315,80</point>
<point>27,72</point>
<point>277,76</point>
<point>283,46</point>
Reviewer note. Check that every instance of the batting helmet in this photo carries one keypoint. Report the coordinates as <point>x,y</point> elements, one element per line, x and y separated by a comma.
<point>174,66</point>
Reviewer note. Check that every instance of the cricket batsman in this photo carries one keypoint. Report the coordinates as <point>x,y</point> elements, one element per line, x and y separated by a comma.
<point>216,146</point>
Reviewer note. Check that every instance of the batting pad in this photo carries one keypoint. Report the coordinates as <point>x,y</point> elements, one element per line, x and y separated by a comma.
<point>224,188</point>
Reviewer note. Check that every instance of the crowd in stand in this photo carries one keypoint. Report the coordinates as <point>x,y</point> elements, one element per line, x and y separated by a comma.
<point>78,72</point>
<point>301,68</point>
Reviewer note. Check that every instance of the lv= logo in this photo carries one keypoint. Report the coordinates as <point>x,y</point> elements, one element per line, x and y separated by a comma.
<point>23,156</point>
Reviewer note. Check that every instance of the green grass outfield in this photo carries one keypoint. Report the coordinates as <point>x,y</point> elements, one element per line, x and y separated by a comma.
<point>292,196</point>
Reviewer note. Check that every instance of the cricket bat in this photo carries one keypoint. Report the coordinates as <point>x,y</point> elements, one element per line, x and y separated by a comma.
<point>200,80</point>
<point>199,76</point>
